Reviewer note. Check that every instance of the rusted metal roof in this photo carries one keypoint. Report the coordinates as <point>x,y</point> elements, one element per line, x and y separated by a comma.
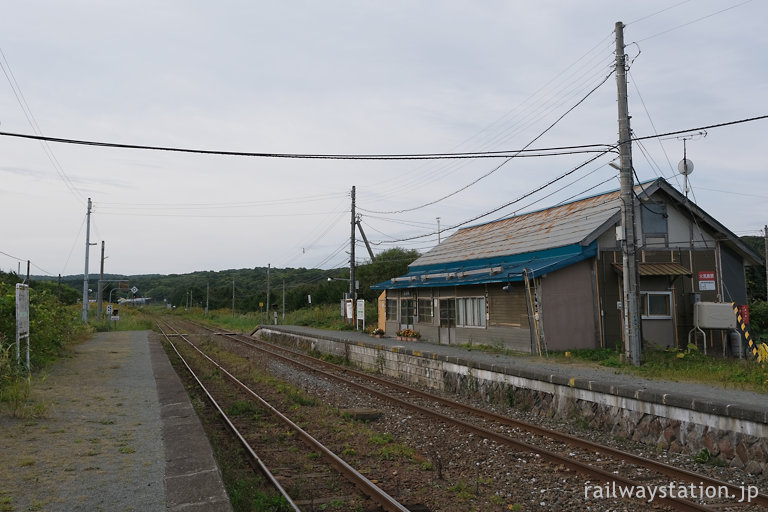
<point>658,269</point>
<point>544,229</point>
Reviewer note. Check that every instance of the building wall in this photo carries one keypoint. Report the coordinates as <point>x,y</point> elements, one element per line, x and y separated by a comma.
<point>568,308</point>
<point>506,316</point>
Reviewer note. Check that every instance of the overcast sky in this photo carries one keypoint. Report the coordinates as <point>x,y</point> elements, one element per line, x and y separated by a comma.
<point>353,77</point>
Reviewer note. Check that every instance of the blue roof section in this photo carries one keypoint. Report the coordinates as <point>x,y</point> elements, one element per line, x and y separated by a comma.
<point>501,269</point>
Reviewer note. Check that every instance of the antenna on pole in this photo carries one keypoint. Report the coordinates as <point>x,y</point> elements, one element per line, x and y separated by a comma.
<point>685,167</point>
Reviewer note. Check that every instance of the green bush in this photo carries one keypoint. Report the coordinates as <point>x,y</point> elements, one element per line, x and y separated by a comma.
<point>758,318</point>
<point>52,325</point>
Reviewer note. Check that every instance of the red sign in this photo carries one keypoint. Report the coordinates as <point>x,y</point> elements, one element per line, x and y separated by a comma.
<point>744,312</point>
<point>707,280</point>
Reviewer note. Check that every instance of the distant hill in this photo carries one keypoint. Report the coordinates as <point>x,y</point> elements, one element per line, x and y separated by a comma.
<point>250,285</point>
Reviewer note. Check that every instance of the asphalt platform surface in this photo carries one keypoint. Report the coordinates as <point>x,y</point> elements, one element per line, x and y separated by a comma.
<point>716,399</point>
<point>119,434</point>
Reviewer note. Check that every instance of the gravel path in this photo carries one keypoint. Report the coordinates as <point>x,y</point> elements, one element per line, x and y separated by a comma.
<point>99,446</point>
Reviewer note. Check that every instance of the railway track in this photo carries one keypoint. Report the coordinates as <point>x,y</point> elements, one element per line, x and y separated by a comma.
<point>281,455</point>
<point>507,431</point>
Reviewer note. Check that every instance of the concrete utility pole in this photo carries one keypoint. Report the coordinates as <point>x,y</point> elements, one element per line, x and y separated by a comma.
<point>352,256</point>
<point>87,251</point>
<point>100,286</point>
<point>632,328</point>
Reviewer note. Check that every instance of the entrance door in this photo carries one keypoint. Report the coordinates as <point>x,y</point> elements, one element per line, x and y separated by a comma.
<point>407,310</point>
<point>447,321</point>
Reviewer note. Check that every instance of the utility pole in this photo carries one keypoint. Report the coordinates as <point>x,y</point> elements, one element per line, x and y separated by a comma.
<point>352,257</point>
<point>766,261</point>
<point>268,304</point>
<point>365,239</point>
<point>632,328</point>
<point>87,250</point>
<point>100,285</point>
<point>438,230</point>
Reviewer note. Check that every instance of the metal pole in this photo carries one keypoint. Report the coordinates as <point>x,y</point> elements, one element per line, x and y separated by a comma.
<point>352,258</point>
<point>85,273</point>
<point>632,327</point>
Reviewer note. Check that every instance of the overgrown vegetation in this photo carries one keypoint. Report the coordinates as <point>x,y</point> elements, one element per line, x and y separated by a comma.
<point>54,322</point>
<point>686,365</point>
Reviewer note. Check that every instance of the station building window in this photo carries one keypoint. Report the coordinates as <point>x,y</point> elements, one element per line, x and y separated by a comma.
<point>470,311</point>
<point>656,305</point>
<point>407,310</point>
<point>392,310</point>
<point>424,311</point>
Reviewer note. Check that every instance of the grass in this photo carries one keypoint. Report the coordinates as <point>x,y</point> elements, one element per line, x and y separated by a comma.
<point>680,365</point>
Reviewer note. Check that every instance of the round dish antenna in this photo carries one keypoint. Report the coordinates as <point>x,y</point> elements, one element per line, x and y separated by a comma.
<point>685,167</point>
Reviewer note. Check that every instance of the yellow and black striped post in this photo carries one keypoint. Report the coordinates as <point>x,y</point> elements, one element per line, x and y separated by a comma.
<point>744,329</point>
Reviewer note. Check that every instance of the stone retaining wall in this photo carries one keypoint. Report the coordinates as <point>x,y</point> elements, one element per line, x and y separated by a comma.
<point>736,442</point>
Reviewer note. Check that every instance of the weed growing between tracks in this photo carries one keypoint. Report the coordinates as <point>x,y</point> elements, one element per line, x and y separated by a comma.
<point>247,488</point>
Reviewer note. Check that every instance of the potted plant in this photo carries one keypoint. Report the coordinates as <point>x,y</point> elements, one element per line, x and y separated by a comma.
<point>377,332</point>
<point>408,335</point>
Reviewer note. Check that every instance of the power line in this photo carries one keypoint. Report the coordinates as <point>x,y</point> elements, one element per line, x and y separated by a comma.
<point>27,111</point>
<point>317,156</point>
<point>598,148</point>
<point>507,160</point>
<point>528,194</point>
<point>694,21</point>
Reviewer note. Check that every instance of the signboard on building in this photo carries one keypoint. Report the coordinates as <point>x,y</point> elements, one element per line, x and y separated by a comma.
<point>707,280</point>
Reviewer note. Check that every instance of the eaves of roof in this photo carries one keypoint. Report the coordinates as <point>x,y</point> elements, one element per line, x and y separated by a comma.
<point>490,270</point>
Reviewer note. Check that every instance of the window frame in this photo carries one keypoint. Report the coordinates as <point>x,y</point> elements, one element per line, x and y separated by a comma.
<point>646,305</point>
<point>422,316</point>
<point>471,312</point>
<point>393,310</point>
<point>407,313</point>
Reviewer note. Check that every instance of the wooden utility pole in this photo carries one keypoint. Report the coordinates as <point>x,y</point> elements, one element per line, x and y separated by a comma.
<point>365,239</point>
<point>632,328</point>
<point>87,251</point>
